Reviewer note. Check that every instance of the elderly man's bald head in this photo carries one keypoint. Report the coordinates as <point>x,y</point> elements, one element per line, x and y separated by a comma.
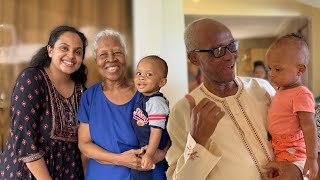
<point>200,27</point>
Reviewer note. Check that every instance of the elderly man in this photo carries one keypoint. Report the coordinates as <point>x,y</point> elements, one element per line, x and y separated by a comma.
<point>219,130</point>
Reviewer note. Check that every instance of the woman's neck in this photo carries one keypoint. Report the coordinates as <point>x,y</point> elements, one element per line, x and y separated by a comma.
<point>109,86</point>
<point>57,77</point>
<point>61,81</point>
<point>119,92</point>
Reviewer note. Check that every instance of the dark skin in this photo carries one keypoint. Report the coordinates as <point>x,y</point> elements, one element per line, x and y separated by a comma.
<point>119,90</point>
<point>213,111</point>
<point>286,62</point>
<point>318,175</point>
<point>282,171</point>
<point>218,78</point>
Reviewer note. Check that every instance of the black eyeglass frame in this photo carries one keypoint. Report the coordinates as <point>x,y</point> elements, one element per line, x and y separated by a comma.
<point>236,43</point>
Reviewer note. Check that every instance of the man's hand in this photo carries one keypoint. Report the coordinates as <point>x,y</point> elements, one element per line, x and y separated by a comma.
<point>282,171</point>
<point>204,119</point>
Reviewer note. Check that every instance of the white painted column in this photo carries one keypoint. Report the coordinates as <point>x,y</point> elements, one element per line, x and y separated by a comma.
<point>158,27</point>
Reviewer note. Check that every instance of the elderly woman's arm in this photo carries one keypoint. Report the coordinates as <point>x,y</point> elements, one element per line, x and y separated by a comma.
<point>93,151</point>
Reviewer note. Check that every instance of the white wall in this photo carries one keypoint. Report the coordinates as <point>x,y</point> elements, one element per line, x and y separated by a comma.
<point>158,27</point>
<point>267,8</point>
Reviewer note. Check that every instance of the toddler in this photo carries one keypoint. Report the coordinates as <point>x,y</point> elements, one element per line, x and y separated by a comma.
<point>291,115</point>
<point>150,114</point>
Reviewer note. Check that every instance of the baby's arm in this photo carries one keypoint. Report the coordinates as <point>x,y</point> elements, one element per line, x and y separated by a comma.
<point>310,136</point>
<point>157,109</point>
<point>147,159</point>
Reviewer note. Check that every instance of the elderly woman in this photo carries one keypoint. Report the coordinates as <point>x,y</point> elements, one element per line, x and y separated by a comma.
<point>106,136</point>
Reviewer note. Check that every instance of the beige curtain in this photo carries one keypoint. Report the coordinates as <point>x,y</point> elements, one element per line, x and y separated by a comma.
<point>34,19</point>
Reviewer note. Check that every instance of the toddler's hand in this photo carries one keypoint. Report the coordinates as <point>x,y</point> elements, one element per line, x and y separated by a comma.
<point>147,162</point>
<point>311,166</point>
<point>271,173</point>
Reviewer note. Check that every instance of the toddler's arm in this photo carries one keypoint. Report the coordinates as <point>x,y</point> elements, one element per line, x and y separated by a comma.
<point>310,136</point>
<point>147,159</point>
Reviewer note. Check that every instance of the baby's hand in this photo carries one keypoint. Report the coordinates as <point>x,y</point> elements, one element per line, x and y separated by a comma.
<point>270,174</point>
<point>147,162</point>
<point>311,166</point>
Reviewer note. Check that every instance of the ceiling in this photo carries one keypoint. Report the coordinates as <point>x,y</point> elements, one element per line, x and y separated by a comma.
<point>247,27</point>
<point>313,3</point>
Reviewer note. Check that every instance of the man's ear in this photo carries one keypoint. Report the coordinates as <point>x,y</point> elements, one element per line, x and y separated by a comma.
<point>162,82</point>
<point>193,58</point>
<point>49,48</point>
<point>301,69</point>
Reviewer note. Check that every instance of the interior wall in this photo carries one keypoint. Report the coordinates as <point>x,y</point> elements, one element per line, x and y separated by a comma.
<point>250,51</point>
<point>302,26</point>
<point>267,8</point>
<point>256,42</point>
<point>158,30</point>
<point>34,19</point>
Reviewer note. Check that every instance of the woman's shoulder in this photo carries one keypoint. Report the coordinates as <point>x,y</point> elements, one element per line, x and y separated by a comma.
<point>30,80</point>
<point>92,90</point>
<point>31,73</point>
<point>94,87</point>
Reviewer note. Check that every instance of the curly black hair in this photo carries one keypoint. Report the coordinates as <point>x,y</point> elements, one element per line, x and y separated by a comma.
<point>42,59</point>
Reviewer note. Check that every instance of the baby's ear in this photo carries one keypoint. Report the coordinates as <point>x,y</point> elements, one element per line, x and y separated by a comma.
<point>301,69</point>
<point>162,82</point>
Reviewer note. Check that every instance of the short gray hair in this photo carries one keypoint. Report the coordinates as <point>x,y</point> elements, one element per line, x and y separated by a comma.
<point>189,37</point>
<point>109,33</point>
<point>190,33</point>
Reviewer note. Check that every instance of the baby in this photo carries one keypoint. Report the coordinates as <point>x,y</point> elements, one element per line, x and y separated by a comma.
<point>291,114</point>
<point>150,115</point>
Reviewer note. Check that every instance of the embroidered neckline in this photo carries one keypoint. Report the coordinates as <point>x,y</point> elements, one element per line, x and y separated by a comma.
<point>63,110</point>
<point>219,99</point>
<point>241,133</point>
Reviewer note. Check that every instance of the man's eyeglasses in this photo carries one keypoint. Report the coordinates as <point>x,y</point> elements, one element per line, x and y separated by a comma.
<point>221,50</point>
